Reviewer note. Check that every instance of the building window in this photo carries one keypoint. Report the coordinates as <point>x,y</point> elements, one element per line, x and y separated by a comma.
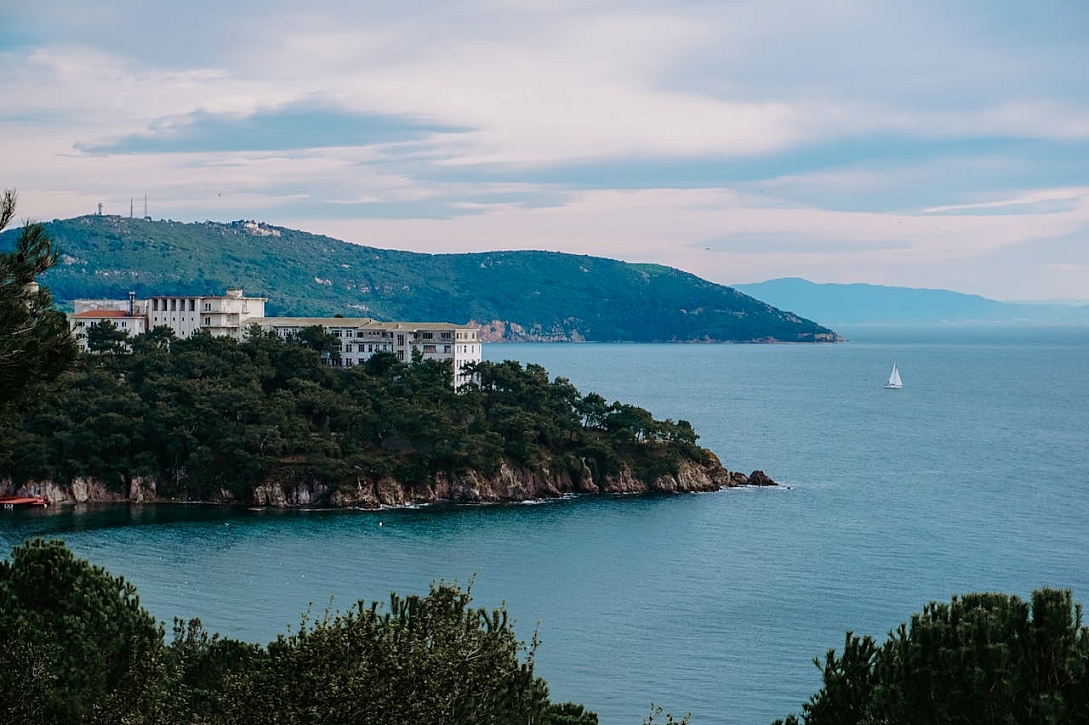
<point>208,322</point>
<point>446,336</point>
<point>207,306</point>
<point>192,305</point>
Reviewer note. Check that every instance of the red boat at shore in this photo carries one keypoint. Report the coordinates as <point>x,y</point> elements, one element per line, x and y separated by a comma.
<point>10,502</point>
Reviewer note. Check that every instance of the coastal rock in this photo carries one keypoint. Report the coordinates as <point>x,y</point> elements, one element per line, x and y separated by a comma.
<point>81,490</point>
<point>293,488</point>
<point>389,492</point>
<point>759,478</point>
<point>585,482</point>
<point>141,490</point>
<point>623,482</point>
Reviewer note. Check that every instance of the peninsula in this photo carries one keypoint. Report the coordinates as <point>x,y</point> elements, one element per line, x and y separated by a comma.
<point>264,421</point>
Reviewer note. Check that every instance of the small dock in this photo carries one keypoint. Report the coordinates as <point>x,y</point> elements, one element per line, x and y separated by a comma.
<point>10,502</point>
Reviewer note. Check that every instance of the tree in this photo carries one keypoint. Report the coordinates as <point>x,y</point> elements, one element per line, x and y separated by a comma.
<point>433,659</point>
<point>36,345</point>
<point>106,338</point>
<point>318,339</point>
<point>76,639</point>
<point>986,658</point>
<point>76,647</point>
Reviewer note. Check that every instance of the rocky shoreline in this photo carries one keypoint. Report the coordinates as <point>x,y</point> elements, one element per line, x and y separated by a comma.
<point>507,485</point>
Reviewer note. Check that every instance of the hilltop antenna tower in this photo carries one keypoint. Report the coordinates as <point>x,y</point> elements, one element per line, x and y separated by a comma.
<point>130,207</point>
<point>146,217</point>
<point>100,208</point>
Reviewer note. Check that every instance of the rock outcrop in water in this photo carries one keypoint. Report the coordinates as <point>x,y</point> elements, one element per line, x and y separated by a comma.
<point>507,484</point>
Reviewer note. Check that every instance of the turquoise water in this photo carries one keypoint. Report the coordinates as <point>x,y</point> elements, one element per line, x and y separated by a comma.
<point>974,477</point>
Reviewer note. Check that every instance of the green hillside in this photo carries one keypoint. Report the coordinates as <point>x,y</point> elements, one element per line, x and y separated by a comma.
<point>534,295</point>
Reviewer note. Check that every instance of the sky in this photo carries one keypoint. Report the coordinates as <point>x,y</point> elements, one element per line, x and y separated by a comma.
<point>924,144</point>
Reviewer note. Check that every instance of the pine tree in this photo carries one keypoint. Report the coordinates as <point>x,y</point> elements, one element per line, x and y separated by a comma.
<point>36,345</point>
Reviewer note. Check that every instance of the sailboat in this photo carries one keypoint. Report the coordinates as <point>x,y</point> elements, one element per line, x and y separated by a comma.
<point>894,382</point>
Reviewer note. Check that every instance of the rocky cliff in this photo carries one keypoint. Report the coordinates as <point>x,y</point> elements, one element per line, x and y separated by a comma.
<point>507,484</point>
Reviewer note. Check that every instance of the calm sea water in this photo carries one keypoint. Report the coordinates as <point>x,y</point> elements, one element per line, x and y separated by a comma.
<point>974,477</point>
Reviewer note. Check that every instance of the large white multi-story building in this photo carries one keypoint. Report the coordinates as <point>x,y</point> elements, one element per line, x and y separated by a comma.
<point>359,338</point>
<point>226,316</point>
<point>233,314</point>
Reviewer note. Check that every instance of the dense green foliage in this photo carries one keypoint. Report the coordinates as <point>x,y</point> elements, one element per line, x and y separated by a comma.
<point>76,647</point>
<point>983,658</point>
<point>35,345</point>
<point>546,295</point>
<point>208,415</point>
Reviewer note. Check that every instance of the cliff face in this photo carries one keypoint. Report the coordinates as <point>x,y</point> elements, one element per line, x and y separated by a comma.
<point>506,484</point>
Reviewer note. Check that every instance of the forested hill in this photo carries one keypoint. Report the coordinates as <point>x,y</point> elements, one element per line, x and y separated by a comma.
<point>522,295</point>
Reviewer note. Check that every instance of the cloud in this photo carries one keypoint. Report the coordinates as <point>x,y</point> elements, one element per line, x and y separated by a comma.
<point>294,127</point>
<point>826,140</point>
<point>1047,201</point>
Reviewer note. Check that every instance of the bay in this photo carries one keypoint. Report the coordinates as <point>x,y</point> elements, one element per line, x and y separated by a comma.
<point>974,477</point>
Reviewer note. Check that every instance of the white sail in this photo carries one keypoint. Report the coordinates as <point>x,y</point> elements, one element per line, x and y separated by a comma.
<point>894,382</point>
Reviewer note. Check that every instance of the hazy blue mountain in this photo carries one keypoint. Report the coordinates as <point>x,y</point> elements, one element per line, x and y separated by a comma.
<point>860,303</point>
<point>513,295</point>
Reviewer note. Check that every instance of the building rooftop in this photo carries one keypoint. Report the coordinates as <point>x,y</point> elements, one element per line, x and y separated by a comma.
<point>104,313</point>
<point>357,322</point>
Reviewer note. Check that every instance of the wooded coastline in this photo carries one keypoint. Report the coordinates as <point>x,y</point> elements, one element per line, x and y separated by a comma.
<point>265,422</point>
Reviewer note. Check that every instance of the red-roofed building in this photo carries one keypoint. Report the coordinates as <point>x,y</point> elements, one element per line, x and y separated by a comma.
<point>130,322</point>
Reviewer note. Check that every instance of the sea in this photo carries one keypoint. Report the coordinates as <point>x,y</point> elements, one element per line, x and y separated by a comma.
<point>973,477</point>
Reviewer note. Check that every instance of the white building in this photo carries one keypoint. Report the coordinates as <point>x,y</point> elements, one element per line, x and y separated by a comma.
<point>232,314</point>
<point>81,321</point>
<point>126,315</point>
<point>362,337</point>
<point>226,316</point>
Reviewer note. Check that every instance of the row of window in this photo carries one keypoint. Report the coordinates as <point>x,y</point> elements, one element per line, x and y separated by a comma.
<point>119,323</point>
<point>177,305</point>
<point>359,333</point>
<point>370,348</point>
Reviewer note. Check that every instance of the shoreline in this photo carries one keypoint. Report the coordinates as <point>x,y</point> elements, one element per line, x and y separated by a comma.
<point>510,487</point>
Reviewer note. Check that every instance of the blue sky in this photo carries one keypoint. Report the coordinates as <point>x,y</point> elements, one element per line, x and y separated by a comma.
<point>925,144</point>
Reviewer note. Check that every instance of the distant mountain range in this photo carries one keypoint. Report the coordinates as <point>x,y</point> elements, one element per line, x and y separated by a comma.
<point>838,304</point>
<point>543,296</point>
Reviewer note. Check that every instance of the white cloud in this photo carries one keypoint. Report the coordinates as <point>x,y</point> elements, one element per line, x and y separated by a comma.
<point>1077,197</point>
